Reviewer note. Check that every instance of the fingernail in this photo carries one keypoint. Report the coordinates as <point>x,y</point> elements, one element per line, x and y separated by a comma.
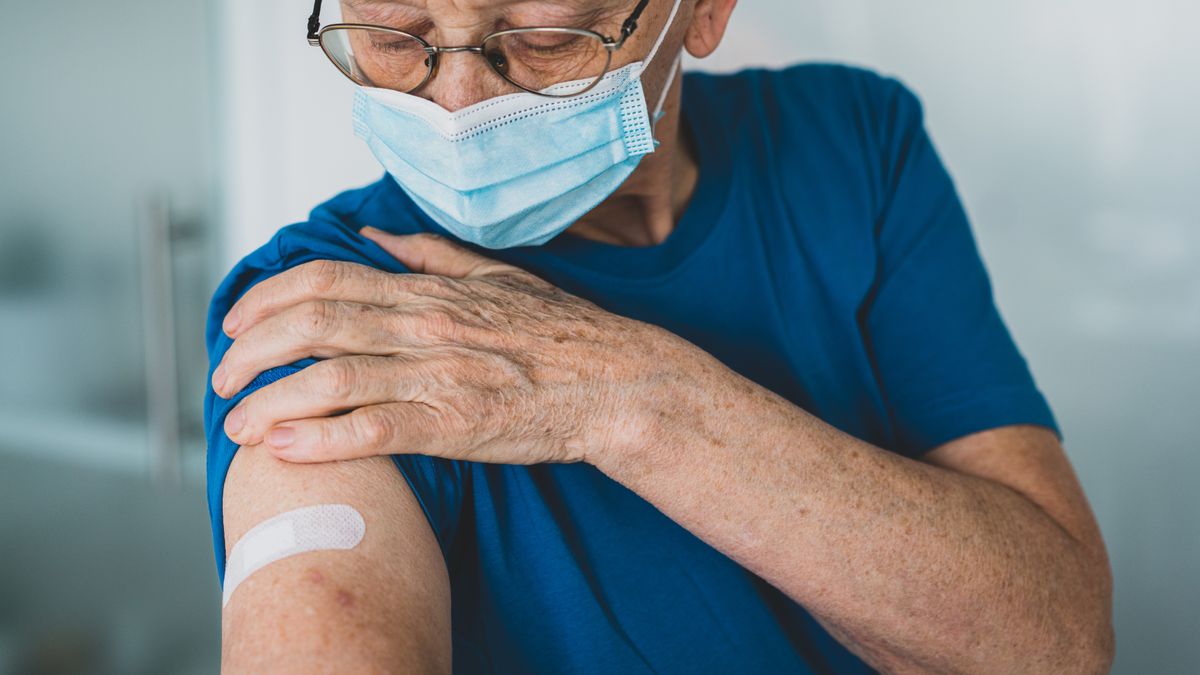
<point>218,380</point>
<point>367,229</point>
<point>232,320</point>
<point>281,437</point>
<point>235,421</point>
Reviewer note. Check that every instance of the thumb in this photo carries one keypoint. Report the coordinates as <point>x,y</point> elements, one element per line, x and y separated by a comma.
<point>428,253</point>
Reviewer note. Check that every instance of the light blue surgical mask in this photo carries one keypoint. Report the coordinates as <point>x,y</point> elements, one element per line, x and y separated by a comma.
<point>514,170</point>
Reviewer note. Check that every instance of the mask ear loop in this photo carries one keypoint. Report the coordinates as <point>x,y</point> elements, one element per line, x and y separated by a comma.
<point>662,35</point>
<point>662,97</point>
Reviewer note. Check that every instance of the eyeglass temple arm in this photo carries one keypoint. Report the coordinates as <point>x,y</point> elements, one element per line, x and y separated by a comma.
<point>627,28</point>
<point>314,22</point>
<point>630,24</point>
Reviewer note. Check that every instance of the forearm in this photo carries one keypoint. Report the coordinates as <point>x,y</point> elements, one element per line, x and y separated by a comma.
<point>914,567</point>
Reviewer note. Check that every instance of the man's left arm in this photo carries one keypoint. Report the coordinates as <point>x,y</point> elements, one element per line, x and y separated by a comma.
<point>982,557</point>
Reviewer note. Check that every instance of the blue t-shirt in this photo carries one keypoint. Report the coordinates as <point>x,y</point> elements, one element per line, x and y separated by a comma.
<point>825,255</point>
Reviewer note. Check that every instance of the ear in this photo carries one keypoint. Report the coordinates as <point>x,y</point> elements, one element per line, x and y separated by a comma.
<point>710,18</point>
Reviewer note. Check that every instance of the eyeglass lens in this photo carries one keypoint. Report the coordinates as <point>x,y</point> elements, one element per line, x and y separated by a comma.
<point>531,58</point>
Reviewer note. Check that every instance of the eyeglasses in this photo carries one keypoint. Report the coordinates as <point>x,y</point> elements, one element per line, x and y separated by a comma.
<point>550,61</point>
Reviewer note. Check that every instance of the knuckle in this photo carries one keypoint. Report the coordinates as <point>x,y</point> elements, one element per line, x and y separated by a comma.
<point>323,276</point>
<point>329,438</point>
<point>374,427</point>
<point>317,320</point>
<point>340,379</point>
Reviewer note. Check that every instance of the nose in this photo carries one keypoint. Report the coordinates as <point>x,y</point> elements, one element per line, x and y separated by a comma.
<point>462,78</point>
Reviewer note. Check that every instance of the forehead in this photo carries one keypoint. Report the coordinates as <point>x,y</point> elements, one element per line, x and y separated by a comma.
<point>583,13</point>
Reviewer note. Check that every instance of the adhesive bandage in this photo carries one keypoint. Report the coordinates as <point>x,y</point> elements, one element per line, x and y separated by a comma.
<point>327,527</point>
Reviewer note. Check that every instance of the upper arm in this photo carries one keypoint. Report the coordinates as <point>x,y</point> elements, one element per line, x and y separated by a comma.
<point>379,606</point>
<point>946,362</point>
<point>383,606</point>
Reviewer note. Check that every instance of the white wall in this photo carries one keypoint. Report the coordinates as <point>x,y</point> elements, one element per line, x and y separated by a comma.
<point>287,142</point>
<point>1072,130</point>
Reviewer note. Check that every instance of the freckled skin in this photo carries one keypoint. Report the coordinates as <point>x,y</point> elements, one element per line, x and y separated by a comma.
<point>981,557</point>
<point>514,370</point>
<point>363,610</point>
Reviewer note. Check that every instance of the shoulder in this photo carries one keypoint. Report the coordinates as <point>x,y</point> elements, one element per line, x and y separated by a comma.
<point>331,230</point>
<point>810,120</point>
<point>823,140</point>
<point>833,97</point>
<point>329,233</point>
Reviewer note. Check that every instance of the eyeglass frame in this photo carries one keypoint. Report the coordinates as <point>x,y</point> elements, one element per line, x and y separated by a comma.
<point>315,33</point>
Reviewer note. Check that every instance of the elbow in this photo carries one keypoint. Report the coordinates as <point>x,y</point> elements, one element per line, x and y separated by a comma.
<point>1105,652</point>
<point>1086,646</point>
<point>1094,639</point>
<point>1095,651</point>
<point>1077,637</point>
<point>1099,646</point>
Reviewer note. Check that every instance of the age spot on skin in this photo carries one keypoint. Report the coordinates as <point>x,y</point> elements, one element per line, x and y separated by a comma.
<point>344,598</point>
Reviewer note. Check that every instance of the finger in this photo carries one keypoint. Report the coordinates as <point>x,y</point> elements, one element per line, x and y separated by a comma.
<point>318,329</point>
<point>364,432</point>
<point>315,280</point>
<point>325,388</point>
<point>429,253</point>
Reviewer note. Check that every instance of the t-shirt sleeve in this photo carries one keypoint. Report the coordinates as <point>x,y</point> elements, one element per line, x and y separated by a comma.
<point>947,363</point>
<point>434,482</point>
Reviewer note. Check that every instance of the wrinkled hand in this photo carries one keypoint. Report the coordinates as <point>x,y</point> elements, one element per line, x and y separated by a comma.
<point>465,358</point>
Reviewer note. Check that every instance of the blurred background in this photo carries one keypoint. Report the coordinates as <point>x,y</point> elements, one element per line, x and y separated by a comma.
<point>146,145</point>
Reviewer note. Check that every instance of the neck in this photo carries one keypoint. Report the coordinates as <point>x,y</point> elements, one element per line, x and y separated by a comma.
<point>645,209</point>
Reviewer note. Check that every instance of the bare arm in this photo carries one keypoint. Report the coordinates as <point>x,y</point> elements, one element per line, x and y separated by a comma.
<point>983,558</point>
<point>383,606</point>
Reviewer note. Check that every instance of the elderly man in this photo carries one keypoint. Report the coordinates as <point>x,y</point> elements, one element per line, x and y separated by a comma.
<point>624,370</point>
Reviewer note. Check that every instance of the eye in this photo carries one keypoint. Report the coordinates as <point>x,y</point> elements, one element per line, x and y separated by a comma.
<point>547,42</point>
